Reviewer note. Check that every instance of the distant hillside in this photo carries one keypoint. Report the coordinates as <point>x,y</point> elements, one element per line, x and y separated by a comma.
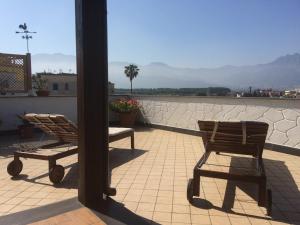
<point>283,72</point>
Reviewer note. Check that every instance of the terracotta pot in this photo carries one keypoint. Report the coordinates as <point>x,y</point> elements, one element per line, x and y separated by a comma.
<point>26,131</point>
<point>127,119</point>
<point>42,93</point>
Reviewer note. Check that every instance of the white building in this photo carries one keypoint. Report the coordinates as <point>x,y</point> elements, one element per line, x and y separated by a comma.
<point>64,83</point>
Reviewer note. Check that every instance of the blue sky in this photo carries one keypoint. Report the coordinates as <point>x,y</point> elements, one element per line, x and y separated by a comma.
<point>184,33</point>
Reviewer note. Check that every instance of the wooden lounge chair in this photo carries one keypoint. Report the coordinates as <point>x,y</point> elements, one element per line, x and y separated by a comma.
<point>246,138</point>
<point>67,135</point>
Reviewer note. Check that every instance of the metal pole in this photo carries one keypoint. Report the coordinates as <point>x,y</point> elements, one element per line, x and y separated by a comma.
<point>27,44</point>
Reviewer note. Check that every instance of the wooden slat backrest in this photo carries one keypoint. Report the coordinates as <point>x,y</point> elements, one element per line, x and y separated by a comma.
<point>249,136</point>
<point>55,125</point>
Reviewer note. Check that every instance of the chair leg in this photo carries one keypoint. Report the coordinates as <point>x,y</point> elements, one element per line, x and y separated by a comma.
<point>132,141</point>
<point>262,191</point>
<point>196,184</point>
<point>269,202</point>
<point>51,164</point>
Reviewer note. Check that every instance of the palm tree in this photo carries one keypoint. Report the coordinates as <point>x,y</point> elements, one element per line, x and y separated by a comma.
<point>131,71</point>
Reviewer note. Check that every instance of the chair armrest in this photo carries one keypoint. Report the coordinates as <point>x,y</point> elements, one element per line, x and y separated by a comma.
<point>202,133</point>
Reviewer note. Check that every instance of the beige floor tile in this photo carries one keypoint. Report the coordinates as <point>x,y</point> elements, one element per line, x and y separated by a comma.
<point>131,198</point>
<point>197,211</point>
<point>15,201</point>
<point>162,216</point>
<point>181,218</point>
<point>219,220</point>
<point>158,178</point>
<point>39,194</point>
<point>11,194</point>
<point>19,208</point>
<point>255,221</point>
<point>6,207</point>
<point>165,193</point>
<point>150,193</point>
<point>164,200</point>
<point>145,214</point>
<point>145,206</point>
<point>137,192</point>
<point>181,209</point>
<point>132,206</point>
<point>147,198</point>
<point>137,186</point>
<point>25,194</point>
<point>239,221</point>
<point>47,201</point>
<point>180,201</point>
<point>200,219</point>
<point>31,201</point>
<point>217,212</point>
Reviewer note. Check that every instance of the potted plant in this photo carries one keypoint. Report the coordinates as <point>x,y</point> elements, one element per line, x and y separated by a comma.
<point>40,84</point>
<point>26,128</point>
<point>127,110</point>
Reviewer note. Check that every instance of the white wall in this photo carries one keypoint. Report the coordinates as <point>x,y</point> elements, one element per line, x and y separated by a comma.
<point>11,106</point>
<point>282,115</point>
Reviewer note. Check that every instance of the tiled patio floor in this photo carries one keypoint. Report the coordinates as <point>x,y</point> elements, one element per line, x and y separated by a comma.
<point>151,182</point>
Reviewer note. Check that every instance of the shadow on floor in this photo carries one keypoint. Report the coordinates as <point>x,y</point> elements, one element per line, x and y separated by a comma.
<point>144,127</point>
<point>117,157</point>
<point>110,211</point>
<point>117,211</point>
<point>286,195</point>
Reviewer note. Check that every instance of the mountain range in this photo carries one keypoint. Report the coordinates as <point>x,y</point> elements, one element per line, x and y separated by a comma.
<point>283,72</point>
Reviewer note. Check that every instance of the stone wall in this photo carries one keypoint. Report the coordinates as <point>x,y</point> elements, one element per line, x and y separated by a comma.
<point>282,115</point>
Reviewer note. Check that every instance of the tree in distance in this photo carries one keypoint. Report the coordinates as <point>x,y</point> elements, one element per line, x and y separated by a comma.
<point>131,71</point>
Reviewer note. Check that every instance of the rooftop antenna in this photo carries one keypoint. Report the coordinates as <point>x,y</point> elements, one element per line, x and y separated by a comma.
<point>26,34</point>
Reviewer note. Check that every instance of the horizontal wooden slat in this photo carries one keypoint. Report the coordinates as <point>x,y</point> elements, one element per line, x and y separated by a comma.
<point>229,136</point>
<point>56,125</point>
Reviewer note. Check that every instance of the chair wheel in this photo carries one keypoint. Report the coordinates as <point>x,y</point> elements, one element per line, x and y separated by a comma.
<point>190,190</point>
<point>56,174</point>
<point>15,167</point>
<point>269,202</point>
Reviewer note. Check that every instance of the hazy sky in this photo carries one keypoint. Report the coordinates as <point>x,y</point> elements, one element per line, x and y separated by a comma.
<point>185,33</point>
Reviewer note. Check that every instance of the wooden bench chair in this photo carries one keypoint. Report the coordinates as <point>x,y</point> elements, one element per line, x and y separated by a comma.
<point>242,138</point>
<point>67,135</point>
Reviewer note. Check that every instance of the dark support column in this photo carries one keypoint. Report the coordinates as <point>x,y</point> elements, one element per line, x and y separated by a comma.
<point>92,106</point>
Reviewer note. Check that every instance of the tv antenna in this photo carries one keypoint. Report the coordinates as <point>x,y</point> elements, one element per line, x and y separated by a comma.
<point>26,34</point>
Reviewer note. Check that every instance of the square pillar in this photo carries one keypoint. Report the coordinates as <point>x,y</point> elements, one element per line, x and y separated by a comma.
<point>92,100</point>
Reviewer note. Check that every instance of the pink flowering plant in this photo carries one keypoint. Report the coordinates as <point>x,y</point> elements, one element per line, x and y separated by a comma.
<point>124,105</point>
